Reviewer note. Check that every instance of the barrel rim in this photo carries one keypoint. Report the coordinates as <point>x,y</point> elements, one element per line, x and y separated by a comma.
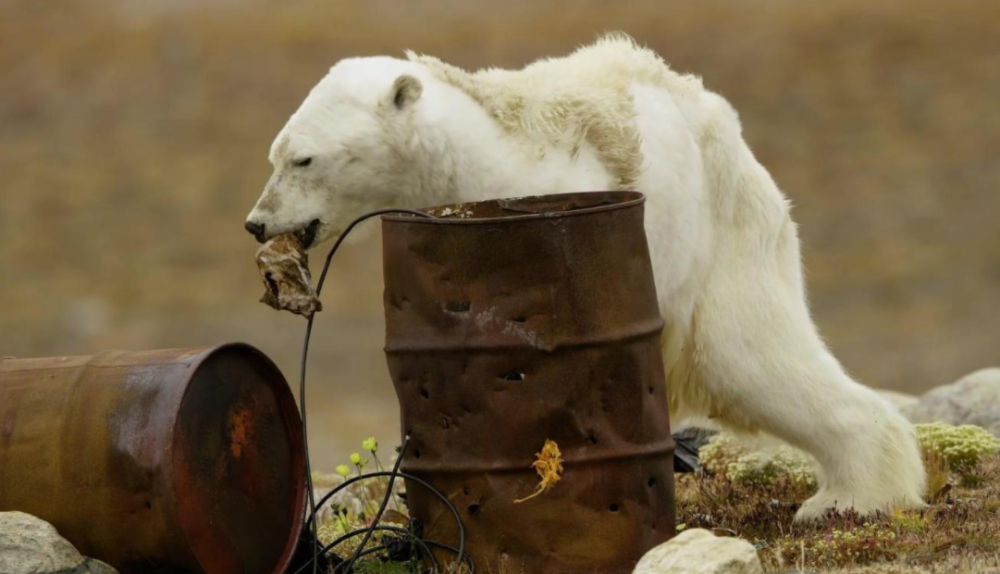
<point>629,198</point>
<point>296,436</point>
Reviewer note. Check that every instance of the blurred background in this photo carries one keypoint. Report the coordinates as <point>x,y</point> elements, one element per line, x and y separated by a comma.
<point>134,139</point>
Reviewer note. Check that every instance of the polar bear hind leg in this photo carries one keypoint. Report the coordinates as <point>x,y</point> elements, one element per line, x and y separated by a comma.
<point>753,359</point>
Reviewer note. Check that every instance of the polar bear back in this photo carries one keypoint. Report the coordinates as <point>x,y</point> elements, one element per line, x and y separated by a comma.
<point>581,98</point>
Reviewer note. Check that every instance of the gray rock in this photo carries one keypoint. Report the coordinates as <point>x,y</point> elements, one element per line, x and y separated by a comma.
<point>698,551</point>
<point>973,400</point>
<point>29,545</point>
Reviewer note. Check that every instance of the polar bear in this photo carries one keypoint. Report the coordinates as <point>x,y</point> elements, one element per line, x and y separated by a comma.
<point>740,347</point>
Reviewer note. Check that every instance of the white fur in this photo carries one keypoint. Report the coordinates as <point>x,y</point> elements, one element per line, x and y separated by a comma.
<point>740,346</point>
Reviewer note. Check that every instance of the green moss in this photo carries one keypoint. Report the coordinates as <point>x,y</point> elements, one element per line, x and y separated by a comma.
<point>961,447</point>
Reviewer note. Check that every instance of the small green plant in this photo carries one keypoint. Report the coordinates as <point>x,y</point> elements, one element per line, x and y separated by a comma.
<point>356,506</point>
<point>910,522</point>
<point>938,475</point>
<point>961,447</point>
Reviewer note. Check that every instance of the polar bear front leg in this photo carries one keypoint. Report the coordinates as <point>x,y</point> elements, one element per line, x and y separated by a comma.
<point>761,366</point>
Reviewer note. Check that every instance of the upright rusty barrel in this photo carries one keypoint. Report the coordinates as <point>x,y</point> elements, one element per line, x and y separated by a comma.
<point>181,461</point>
<point>513,322</point>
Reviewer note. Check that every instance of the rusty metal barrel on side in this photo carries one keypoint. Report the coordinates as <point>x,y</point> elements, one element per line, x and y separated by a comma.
<point>513,322</point>
<point>183,461</point>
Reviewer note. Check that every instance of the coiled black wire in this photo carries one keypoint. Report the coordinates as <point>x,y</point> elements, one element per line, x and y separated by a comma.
<point>425,545</point>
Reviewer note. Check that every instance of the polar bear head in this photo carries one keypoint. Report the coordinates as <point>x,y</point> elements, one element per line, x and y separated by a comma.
<point>348,149</point>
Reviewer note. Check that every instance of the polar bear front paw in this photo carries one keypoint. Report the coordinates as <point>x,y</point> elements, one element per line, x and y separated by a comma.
<point>825,503</point>
<point>829,501</point>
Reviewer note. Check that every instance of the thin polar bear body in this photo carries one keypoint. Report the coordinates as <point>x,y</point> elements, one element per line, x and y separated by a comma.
<point>740,347</point>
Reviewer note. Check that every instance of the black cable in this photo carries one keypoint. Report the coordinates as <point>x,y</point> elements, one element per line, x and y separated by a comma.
<point>459,552</point>
<point>343,235</point>
<point>305,355</point>
<point>458,519</point>
<point>424,544</point>
<point>311,523</point>
<point>305,439</point>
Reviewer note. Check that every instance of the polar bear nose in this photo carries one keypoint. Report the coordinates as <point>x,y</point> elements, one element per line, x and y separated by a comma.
<point>255,229</point>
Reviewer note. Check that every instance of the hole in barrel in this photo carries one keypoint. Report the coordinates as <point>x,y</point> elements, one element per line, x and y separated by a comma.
<point>473,509</point>
<point>614,508</point>
<point>424,393</point>
<point>520,319</point>
<point>593,437</point>
<point>512,376</point>
<point>652,481</point>
<point>458,306</point>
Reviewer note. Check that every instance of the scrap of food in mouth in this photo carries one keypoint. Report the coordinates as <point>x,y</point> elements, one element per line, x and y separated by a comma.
<point>284,268</point>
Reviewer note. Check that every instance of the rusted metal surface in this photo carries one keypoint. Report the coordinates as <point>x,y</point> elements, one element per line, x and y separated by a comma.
<point>512,322</point>
<point>181,461</point>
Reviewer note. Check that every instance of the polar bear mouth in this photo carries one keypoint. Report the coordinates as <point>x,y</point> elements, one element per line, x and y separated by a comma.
<point>308,234</point>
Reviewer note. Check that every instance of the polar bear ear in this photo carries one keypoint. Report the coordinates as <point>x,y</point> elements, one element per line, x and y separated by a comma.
<point>405,91</point>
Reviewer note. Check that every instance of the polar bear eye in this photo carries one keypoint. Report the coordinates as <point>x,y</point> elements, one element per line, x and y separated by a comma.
<point>302,162</point>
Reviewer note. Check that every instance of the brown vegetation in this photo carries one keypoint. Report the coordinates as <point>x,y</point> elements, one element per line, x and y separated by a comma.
<point>958,533</point>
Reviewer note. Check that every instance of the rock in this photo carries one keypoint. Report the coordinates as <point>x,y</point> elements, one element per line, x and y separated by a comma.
<point>973,400</point>
<point>29,545</point>
<point>698,551</point>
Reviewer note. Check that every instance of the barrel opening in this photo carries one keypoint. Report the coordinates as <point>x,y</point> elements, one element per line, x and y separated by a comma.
<point>651,482</point>
<point>474,509</point>
<point>652,390</point>
<point>613,508</point>
<point>513,376</point>
<point>425,393</point>
<point>532,206</point>
<point>592,436</point>
<point>520,319</point>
